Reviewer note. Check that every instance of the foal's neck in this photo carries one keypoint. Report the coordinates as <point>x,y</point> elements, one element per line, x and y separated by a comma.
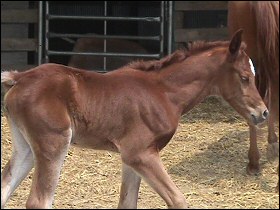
<point>190,81</point>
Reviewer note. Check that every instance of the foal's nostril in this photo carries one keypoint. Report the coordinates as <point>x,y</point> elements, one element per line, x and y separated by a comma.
<point>265,114</point>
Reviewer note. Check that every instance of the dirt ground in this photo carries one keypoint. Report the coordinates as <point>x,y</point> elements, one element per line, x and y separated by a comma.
<point>206,159</point>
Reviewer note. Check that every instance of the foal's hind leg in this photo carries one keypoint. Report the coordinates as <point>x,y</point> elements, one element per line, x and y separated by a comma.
<point>49,155</point>
<point>18,166</point>
<point>150,167</point>
<point>129,188</point>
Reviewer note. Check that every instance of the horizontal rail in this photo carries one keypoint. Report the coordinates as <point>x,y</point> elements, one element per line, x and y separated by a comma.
<point>200,5</point>
<point>51,52</point>
<point>208,34</point>
<point>56,35</point>
<point>18,44</point>
<point>19,16</point>
<point>67,17</point>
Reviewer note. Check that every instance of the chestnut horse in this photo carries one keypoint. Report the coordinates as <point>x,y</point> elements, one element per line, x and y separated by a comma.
<point>134,110</point>
<point>260,21</point>
<point>92,44</point>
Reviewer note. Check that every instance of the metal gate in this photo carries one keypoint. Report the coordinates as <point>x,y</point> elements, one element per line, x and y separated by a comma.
<point>148,24</point>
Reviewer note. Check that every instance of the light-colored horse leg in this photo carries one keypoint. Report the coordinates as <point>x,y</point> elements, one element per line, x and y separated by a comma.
<point>151,169</point>
<point>49,158</point>
<point>129,188</point>
<point>18,166</point>
<point>253,167</point>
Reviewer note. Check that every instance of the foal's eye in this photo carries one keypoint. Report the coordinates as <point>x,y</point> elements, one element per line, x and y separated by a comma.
<point>245,79</point>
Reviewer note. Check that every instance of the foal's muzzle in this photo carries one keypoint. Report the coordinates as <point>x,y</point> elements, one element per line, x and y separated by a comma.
<point>260,118</point>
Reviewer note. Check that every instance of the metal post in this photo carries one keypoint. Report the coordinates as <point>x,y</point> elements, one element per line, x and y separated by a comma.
<point>105,33</point>
<point>170,27</point>
<point>47,33</point>
<point>40,32</point>
<point>162,28</point>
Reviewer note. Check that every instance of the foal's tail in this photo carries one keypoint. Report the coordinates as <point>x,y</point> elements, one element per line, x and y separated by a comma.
<point>8,79</point>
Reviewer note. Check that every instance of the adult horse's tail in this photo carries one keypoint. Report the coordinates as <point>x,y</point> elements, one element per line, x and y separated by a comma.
<point>267,25</point>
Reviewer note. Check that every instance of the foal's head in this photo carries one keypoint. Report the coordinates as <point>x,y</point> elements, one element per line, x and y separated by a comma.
<point>237,83</point>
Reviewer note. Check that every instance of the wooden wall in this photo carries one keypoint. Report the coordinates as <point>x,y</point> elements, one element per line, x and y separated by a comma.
<point>183,35</point>
<point>18,38</point>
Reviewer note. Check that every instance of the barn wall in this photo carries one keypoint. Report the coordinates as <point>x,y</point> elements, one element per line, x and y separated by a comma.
<point>199,20</point>
<point>18,35</point>
<point>19,21</point>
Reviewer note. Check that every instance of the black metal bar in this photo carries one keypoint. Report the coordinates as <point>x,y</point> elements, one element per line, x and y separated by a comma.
<point>105,40</point>
<point>40,33</point>
<point>47,31</point>
<point>148,19</point>
<point>170,27</point>
<point>162,27</point>
<point>55,35</point>
<point>52,52</point>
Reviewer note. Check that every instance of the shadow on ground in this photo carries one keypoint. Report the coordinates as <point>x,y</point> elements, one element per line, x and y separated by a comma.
<point>225,159</point>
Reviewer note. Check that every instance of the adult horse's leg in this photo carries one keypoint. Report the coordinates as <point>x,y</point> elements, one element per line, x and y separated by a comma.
<point>274,113</point>
<point>129,188</point>
<point>50,153</point>
<point>18,166</point>
<point>273,145</point>
<point>253,166</point>
<point>148,164</point>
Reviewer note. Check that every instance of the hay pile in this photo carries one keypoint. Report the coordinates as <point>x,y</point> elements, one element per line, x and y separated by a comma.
<point>206,159</point>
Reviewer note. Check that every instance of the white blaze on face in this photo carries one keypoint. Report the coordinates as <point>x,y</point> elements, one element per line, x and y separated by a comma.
<point>252,66</point>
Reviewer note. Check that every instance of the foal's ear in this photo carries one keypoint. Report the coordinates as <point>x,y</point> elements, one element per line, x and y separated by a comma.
<point>235,44</point>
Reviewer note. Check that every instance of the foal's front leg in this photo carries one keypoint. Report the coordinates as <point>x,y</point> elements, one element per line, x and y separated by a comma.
<point>149,166</point>
<point>129,188</point>
<point>253,167</point>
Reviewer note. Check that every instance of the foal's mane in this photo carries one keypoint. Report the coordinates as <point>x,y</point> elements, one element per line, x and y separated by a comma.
<point>178,56</point>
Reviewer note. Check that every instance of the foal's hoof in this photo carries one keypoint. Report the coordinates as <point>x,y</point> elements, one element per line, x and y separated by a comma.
<point>253,170</point>
<point>272,151</point>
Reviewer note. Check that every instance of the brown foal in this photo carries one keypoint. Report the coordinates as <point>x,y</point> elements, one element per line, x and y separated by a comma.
<point>134,110</point>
